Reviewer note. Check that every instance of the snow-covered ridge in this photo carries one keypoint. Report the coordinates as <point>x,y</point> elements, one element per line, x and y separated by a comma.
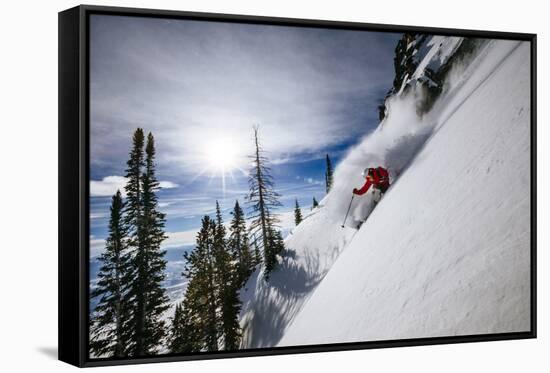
<point>338,284</point>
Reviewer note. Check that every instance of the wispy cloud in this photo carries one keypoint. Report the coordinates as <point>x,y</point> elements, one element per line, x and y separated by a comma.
<point>191,83</point>
<point>167,185</point>
<point>165,204</point>
<point>199,87</point>
<point>110,184</point>
<point>97,215</point>
<point>178,239</point>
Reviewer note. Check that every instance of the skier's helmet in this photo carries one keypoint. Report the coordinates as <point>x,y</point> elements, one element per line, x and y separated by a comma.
<point>368,171</point>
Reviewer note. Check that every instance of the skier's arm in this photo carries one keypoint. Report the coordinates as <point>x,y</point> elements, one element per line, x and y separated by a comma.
<point>363,189</point>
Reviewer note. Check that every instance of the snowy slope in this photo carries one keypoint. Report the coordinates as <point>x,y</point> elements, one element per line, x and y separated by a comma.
<point>268,307</point>
<point>446,252</point>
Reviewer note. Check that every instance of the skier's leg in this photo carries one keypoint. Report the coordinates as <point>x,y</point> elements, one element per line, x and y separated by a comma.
<point>376,196</point>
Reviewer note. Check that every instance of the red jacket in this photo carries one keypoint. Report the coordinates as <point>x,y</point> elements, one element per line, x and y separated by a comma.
<point>379,178</point>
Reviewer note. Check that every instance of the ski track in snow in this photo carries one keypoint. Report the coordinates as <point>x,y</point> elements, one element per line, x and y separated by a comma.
<point>446,252</point>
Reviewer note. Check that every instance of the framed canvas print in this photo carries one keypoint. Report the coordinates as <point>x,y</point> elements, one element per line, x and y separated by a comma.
<point>234,186</point>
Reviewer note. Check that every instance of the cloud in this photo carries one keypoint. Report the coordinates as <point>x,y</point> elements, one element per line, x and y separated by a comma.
<point>167,185</point>
<point>181,238</point>
<point>108,186</point>
<point>165,204</point>
<point>191,83</point>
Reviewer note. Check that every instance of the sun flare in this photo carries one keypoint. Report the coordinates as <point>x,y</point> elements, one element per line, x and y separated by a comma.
<point>222,155</point>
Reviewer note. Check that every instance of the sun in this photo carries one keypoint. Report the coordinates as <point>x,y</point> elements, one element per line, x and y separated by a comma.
<point>221,155</point>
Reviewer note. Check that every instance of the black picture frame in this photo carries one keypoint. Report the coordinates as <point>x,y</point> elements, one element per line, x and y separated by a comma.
<point>74,180</point>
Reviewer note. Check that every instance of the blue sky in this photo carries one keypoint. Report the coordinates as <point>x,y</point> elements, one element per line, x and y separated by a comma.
<point>200,87</point>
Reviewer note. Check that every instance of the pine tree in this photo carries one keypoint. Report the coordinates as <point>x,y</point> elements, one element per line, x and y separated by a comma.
<point>276,242</point>
<point>227,286</point>
<point>238,245</point>
<point>222,270</point>
<point>297,214</point>
<point>231,307</point>
<point>263,200</point>
<point>329,178</point>
<point>147,297</point>
<point>183,335</point>
<point>132,220</point>
<point>315,203</point>
<point>107,338</point>
<point>200,302</point>
<point>133,188</point>
<point>257,253</point>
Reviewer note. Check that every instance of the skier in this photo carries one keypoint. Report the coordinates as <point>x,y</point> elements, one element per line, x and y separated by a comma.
<point>379,178</point>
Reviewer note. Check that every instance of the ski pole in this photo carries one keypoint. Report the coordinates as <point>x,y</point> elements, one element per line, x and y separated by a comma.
<point>349,207</point>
